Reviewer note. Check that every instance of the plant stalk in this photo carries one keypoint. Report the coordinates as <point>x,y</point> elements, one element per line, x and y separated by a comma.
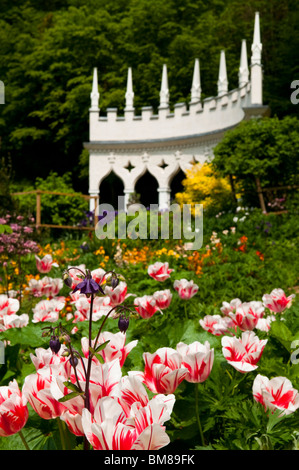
<point>197,415</point>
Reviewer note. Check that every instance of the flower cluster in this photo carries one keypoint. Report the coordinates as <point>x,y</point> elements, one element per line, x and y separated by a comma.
<point>8,314</point>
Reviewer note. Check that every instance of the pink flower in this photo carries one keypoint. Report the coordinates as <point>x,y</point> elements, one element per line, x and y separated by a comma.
<point>243,353</point>
<point>230,307</point>
<point>45,287</point>
<point>247,315</point>
<point>45,357</point>
<point>159,271</point>
<point>115,349</point>
<point>110,428</point>
<point>163,298</point>
<point>101,306</point>
<point>186,289</point>
<point>76,274</point>
<point>97,275</point>
<point>277,301</point>
<point>14,321</point>
<point>276,394</point>
<point>47,310</point>
<point>8,306</point>
<point>13,409</point>
<point>116,294</point>
<point>36,389</point>
<point>217,325</point>
<point>45,264</point>
<point>198,359</point>
<point>146,306</point>
<point>163,370</point>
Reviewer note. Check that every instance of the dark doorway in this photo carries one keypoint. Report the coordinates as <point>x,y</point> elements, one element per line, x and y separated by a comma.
<point>110,188</point>
<point>176,185</point>
<point>147,188</point>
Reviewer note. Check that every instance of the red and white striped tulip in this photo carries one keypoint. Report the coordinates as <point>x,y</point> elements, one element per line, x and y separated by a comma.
<point>45,264</point>
<point>163,370</point>
<point>276,394</point>
<point>277,301</point>
<point>163,298</point>
<point>159,271</point>
<point>146,306</point>
<point>198,359</point>
<point>13,409</point>
<point>247,315</point>
<point>185,289</point>
<point>243,353</point>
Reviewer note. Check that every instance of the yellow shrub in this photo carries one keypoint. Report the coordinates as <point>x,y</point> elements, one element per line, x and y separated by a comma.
<point>203,186</point>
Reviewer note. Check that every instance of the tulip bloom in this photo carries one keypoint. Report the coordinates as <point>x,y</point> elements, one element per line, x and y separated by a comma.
<point>243,353</point>
<point>36,389</point>
<point>230,307</point>
<point>45,264</point>
<point>13,409</point>
<point>146,306</point>
<point>198,359</point>
<point>159,271</point>
<point>163,298</point>
<point>8,306</point>
<point>110,429</point>
<point>186,289</point>
<point>217,325</point>
<point>163,370</point>
<point>47,310</point>
<point>116,294</point>
<point>247,315</point>
<point>276,394</point>
<point>115,349</point>
<point>277,301</point>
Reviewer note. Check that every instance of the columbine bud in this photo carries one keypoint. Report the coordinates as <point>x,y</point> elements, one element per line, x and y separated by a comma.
<point>54,344</point>
<point>123,323</point>
<point>67,279</point>
<point>74,362</point>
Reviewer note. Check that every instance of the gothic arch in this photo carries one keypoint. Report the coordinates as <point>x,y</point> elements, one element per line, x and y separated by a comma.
<point>147,187</point>
<point>110,187</point>
<point>175,183</point>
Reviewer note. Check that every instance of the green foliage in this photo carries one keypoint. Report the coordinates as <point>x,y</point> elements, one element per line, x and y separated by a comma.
<point>230,418</point>
<point>266,148</point>
<point>48,52</point>
<point>55,209</point>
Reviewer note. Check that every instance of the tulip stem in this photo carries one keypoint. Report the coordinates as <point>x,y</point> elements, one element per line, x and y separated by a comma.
<point>185,309</point>
<point>61,433</point>
<point>197,415</point>
<point>23,440</point>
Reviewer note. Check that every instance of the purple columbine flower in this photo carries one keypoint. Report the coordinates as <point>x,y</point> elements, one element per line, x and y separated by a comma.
<point>88,286</point>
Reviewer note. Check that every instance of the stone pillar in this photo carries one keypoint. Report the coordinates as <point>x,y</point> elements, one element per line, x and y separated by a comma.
<point>164,198</point>
<point>127,193</point>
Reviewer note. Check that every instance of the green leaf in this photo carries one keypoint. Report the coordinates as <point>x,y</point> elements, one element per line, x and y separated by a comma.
<point>102,346</point>
<point>70,396</point>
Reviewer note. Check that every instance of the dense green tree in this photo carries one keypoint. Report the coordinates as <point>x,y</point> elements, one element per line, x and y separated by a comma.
<point>48,50</point>
<point>260,153</point>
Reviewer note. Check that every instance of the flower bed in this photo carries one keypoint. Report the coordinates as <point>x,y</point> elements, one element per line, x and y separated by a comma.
<point>122,347</point>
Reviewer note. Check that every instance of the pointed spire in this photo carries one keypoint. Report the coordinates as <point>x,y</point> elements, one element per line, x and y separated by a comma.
<point>256,73</point>
<point>222,77</point>
<point>196,88</point>
<point>164,92</point>
<point>256,47</point>
<point>94,95</point>
<point>243,70</point>
<point>129,92</point>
